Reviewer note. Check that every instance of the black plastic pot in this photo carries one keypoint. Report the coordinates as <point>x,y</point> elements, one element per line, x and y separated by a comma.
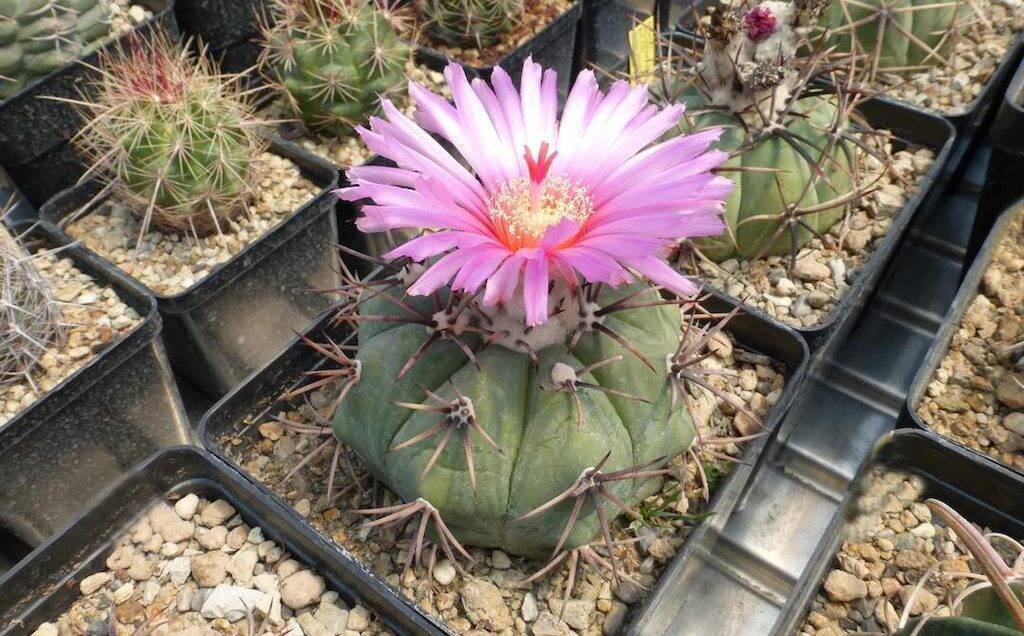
<point>604,31</point>
<point>228,28</point>
<point>964,297</point>
<point>112,413</point>
<point>243,313</point>
<point>553,48</point>
<point>34,131</point>
<point>981,490</point>
<point>46,583</point>
<point>233,415</point>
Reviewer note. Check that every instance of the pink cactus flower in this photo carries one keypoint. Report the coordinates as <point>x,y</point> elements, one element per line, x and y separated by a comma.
<point>761,23</point>
<point>530,197</point>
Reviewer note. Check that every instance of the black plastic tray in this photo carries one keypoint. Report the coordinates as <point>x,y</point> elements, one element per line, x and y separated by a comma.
<point>34,131</point>
<point>44,585</point>
<point>228,28</point>
<point>230,323</point>
<point>951,323</point>
<point>554,47</point>
<point>260,392</point>
<point>981,490</point>
<point>112,413</point>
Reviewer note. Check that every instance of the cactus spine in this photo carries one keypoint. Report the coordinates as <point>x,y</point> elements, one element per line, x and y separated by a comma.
<point>177,140</point>
<point>334,59</point>
<point>477,23</point>
<point>38,37</point>
<point>30,319</point>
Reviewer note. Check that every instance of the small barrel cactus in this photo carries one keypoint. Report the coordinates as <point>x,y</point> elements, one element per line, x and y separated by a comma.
<point>522,388</point>
<point>30,319</point>
<point>477,23</point>
<point>334,59</point>
<point>38,37</point>
<point>792,154</point>
<point>894,35</point>
<point>177,140</point>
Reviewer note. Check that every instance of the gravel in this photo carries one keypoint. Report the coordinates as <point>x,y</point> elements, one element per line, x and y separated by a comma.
<point>974,396</point>
<point>199,593</point>
<point>492,597</point>
<point>171,263</point>
<point>823,271</point>
<point>95,318</point>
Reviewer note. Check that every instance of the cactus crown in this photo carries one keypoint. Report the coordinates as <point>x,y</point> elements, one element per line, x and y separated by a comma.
<point>176,139</point>
<point>477,23</point>
<point>38,37</point>
<point>30,319</point>
<point>334,59</point>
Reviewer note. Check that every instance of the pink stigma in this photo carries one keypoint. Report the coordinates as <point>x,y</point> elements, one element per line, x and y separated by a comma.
<point>539,167</point>
<point>761,23</point>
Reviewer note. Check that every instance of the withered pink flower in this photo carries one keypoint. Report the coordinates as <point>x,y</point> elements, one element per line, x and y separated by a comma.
<point>529,196</point>
<point>761,23</point>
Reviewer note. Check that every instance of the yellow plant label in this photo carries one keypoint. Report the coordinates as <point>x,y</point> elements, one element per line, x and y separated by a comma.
<point>641,51</point>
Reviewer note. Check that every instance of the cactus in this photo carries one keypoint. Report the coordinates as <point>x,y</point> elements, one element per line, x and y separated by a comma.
<point>894,35</point>
<point>993,608</point>
<point>334,59</point>
<point>30,320</point>
<point>38,37</point>
<point>793,155</point>
<point>476,23</point>
<point>177,140</point>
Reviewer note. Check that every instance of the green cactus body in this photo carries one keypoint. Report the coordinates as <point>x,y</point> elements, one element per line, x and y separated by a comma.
<point>335,59</point>
<point>759,193</point>
<point>477,23</point>
<point>897,34</point>
<point>544,447</point>
<point>29,316</point>
<point>38,37</point>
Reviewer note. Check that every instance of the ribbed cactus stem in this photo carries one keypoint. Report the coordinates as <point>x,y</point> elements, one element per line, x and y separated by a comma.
<point>30,319</point>
<point>476,23</point>
<point>177,139</point>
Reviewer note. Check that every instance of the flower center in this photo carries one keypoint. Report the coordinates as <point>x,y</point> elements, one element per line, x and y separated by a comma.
<point>524,208</point>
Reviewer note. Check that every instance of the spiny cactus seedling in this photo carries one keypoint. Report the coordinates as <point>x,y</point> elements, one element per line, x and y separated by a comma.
<point>30,318</point>
<point>992,607</point>
<point>38,37</point>
<point>793,144</point>
<point>477,23</point>
<point>517,381</point>
<point>895,36</point>
<point>334,59</point>
<point>176,140</point>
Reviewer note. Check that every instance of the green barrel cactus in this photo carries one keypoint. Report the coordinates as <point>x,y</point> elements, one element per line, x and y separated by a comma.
<point>178,140</point>
<point>515,426</point>
<point>30,319</point>
<point>334,60</point>
<point>477,23</point>
<point>896,35</point>
<point>38,37</point>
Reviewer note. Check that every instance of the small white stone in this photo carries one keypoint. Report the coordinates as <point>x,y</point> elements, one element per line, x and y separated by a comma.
<point>186,506</point>
<point>444,572</point>
<point>94,582</point>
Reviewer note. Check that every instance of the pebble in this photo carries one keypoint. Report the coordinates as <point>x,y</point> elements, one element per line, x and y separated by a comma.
<point>94,582</point>
<point>810,270</point>
<point>210,569</point>
<point>169,525</point>
<point>484,606</point>
<point>843,586</point>
<point>529,610</point>
<point>358,618</point>
<point>332,617</point>
<point>46,629</point>
<point>216,513</point>
<point>444,572</point>
<point>186,506</point>
<point>233,602</point>
<point>301,589</point>
<point>547,624</point>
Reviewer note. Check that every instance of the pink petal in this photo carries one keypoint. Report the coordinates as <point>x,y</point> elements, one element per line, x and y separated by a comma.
<point>438,274</point>
<point>423,247</point>
<point>502,285</point>
<point>659,273</point>
<point>535,290</point>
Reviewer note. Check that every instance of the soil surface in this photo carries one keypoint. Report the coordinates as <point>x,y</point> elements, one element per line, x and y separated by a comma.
<point>195,568</point>
<point>976,396</point>
<point>171,263</point>
<point>537,15</point>
<point>94,317</point>
<point>889,547</point>
<point>492,596</point>
<point>804,294</point>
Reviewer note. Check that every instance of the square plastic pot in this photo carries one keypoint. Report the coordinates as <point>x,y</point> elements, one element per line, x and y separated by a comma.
<point>979,489</point>
<point>250,401</point>
<point>34,130</point>
<point>245,311</point>
<point>47,582</point>
<point>118,409</point>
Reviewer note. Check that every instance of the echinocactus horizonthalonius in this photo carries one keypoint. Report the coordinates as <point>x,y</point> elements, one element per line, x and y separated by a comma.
<point>177,140</point>
<point>38,37</point>
<point>30,319</point>
<point>476,23</point>
<point>519,376</point>
<point>334,59</point>
<point>794,147</point>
